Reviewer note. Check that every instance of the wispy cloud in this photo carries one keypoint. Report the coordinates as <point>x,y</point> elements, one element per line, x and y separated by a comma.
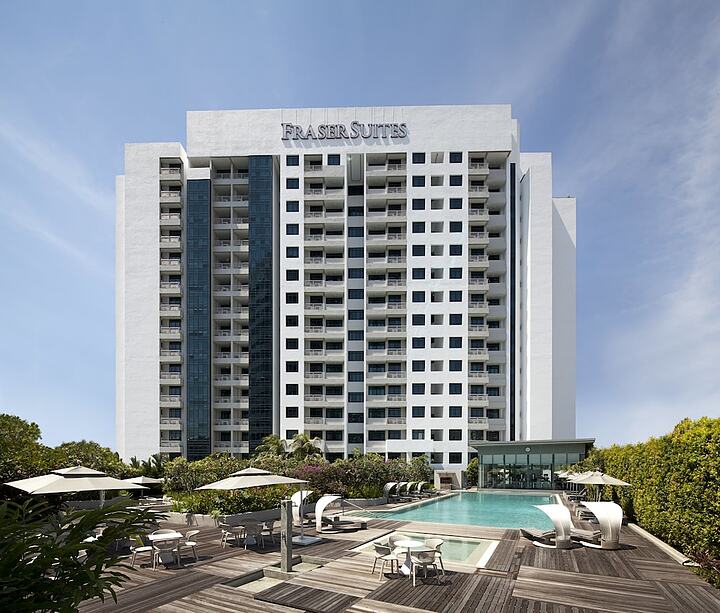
<point>55,163</point>
<point>659,363</point>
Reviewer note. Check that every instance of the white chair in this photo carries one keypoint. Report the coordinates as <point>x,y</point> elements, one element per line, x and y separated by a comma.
<point>436,545</point>
<point>609,516</point>
<point>189,542</point>
<point>269,530</point>
<point>171,546</point>
<point>422,559</point>
<point>384,553</point>
<point>228,531</point>
<point>254,530</point>
<point>397,536</point>
<point>140,548</point>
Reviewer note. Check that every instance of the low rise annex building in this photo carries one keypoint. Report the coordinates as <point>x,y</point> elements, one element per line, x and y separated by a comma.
<point>397,280</point>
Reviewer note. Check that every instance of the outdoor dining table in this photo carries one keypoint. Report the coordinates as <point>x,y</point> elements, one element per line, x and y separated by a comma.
<point>168,536</point>
<point>408,545</point>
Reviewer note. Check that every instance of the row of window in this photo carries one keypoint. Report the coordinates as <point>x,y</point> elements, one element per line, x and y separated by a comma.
<point>418,342</point>
<point>418,412</point>
<point>333,159</point>
<point>418,389</point>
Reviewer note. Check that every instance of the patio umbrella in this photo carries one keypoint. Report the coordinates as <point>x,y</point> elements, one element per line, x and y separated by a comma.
<point>251,477</point>
<point>70,480</point>
<point>143,480</point>
<point>599,478</point>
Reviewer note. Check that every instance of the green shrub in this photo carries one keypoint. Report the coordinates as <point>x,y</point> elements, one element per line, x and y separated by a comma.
<point>675,479</point>
<point>472,473</point>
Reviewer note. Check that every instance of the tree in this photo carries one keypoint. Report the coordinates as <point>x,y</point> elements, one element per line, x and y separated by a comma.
<point>45,565</point>
<point>154,466</point>
<point>21,453</point>
<point>90,454</point>
<point>272,445</point>
<point>304,446</point>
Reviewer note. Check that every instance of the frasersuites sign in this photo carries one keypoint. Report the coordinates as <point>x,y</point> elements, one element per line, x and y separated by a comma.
<point>327,131</point>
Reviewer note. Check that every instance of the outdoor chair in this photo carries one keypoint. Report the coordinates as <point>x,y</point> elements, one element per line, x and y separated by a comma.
<point>161,547</point>
<point>254,530</point>
<point>393,538</point>
<point>384,553</point>
<point>142,545</point>
<point>436,545</point>
<point>269,530</point>
<point>189,542</point>
<point>423,559</point>
<point>228,531</point>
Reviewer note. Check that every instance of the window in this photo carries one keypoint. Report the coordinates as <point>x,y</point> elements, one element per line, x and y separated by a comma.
<point>355,211</point>
<point>418,250</point>
<point>356,418</point>
<point>292,274</point>
<point>356,375</point>
<point>456,226</point>
<point>418,158</point>
<point>418,181</point>
<point>292,229</point>
<point>455,180</point>
<point>455,342</point>
<point>291,389</point>
<point>356,252</point>
<point>355,397</point>
<point>418,296</point>
<point>418,319</point>
<point>291,412</point>
<point>355,437</point>
<point>454,435</point>
<point>455,203</point>
<point>333,159</point>
<point>418,435</point>
<point>418,342</point>
<point>418,227</point>
<point>291,343</point>
<point>292,206</point>
<point>456,319</point>
<point>224,436</point>
<point>455,295</point>
<point>291,298</point>
<point>376,435</point>
<point>292,252</point>
<point>456,273</point>
<point>418,204</point>
<point>493,435</point>
<point>356,314</point>
<point>418,411</point>
<point>177,414</point>
<point>356,294</point>
<point>418,273</point>
<point>418,365</point>
<point>418,388</point>
<point>292,160</point>
<point>455,249</point>
<point>455,388</point>
<point>456,365</point>
<point>292,183</point>
<point>289,434</point>
<point>291,366</point>
<point>393,434</point>
<point>455,411</point>
<point>356,273</point>
<point>356,335</point>
<point>355,232</point>
<point>291,321</point>
<point>355,356</point>
<point>493,391</point>
<point>456,157</point>
<point>454,457</point>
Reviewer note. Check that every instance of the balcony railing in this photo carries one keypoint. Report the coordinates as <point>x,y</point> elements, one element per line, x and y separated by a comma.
<point>170,172</point>
<point>478,166</point>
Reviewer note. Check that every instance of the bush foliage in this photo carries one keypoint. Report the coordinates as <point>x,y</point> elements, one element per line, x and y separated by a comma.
<point>675,479</point>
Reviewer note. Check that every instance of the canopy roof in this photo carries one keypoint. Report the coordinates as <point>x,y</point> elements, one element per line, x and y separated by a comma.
<point>73,479</point>
<point>143,480</point>
<point>251,477</point>
<point>598,478</point>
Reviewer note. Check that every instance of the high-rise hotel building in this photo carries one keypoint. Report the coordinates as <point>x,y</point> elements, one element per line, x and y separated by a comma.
<point>396,280</point>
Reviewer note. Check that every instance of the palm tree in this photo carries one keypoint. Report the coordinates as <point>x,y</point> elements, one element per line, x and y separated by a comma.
<point>272,445</point>
<point>304,446</point>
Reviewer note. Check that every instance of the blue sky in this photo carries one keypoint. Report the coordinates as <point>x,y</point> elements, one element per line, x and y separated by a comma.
<point>626,95</point>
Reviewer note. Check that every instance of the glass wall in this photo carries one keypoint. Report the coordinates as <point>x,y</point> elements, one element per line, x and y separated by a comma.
<point>532,471</point>
<point>198,319</point>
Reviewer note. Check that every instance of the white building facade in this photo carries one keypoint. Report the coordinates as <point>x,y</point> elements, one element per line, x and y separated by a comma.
<point>396,280</point>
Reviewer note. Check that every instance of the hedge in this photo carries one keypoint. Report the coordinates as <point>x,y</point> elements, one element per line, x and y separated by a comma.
<point>675,479</point>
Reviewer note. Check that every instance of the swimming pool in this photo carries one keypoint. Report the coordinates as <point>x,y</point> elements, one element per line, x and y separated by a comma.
<point>480,509</point>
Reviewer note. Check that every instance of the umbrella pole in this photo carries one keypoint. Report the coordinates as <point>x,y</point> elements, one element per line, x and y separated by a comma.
<point>102,498</point>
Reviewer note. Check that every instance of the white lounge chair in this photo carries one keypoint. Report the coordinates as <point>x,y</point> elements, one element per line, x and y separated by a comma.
<point>564,531</point>
<point>609,516</point>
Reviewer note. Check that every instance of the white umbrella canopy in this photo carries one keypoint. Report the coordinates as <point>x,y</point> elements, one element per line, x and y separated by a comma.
<point>250,477</point>
<point>70,480</point>
<point>143,480</point>
<point>596,477</point>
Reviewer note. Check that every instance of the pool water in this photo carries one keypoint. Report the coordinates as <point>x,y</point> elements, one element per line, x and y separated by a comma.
<point>481,509</point>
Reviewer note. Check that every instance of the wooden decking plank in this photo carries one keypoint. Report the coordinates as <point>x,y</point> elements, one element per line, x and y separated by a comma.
<point>695,598</point>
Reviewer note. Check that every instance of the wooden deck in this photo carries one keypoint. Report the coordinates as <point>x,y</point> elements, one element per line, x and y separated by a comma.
<point>519,578</point>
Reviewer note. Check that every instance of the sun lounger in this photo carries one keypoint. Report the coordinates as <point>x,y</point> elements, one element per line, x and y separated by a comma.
<point>610,518</point>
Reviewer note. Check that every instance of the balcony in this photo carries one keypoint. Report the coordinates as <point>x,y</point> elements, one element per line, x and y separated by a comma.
<point>479,237</point>
<point>327,192</point>
<point>226,175</point>
<point>479,214</point>
<point>170,241</point>
<point>325,352</point>
<point>478,330</point>
<point>479,307</point>
<point>479,284</point>
<point>394,213</point>
<point>170,421</point>
<point>478,399</point>
<point>170,197</point>
<point>383,192</point>
<point>170,265</point>
<point>386,330</point>
<point>170,173</point>
<point>225,243</point>
<point>479,168</point>
<point>170,308</point>
<point>330,215</point>
<point>232,422</point>
<point>479,261</point>
<point>170,445</point>
<point>319,306</point>
<point>170,219</point>
<point>479,353</point>
<point>230,199</point>
<point>478,423</point>
<point>228,355</point>
<point>378,169</point>
<point>323,283</point>
<point>317,238</point>
<point>478,376</point>
<point>334,170</point>
<point>324,375</point>
<point>390,236</point>
<point>479,191</point>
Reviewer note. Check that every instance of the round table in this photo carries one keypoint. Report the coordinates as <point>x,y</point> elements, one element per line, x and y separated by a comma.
<point>408,545</point>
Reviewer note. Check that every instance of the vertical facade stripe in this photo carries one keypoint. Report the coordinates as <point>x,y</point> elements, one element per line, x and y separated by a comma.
<point>260,176</point>
<point>197,310</point>
<point>513,265</point>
